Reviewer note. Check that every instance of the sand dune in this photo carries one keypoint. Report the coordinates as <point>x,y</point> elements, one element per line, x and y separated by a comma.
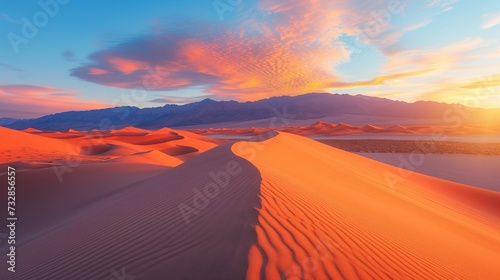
<point>316,128</point>
<point>45,202</point>
<point>37,149</point>
<point>150,157</point>
<point>141,228</point>
<point>252,131</point>
<point>334,216</point>
<point>344,126</point>
<point>23,146</point>
<point>31,130</point>
<point>149,139</point>
<point>12,139</point>
<point>397,129</point>
<point>371,128</point>
<point>325,129</point>
<point>129,130</point>
<point>284,208</point>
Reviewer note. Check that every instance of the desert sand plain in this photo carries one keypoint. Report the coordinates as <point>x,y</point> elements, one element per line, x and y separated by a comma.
<point>173,204</point>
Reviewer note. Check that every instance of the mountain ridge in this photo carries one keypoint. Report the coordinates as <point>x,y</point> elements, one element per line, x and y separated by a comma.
<point>208,111</point>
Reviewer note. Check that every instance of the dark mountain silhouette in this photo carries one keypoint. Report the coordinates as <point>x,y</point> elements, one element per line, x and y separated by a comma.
<point>7,121</point>
<point>302,107</point>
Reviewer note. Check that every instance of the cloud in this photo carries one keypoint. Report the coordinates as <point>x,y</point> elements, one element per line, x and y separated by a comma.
<point>285,47</point>
<point>477,92</point>
<point>177,100</point>
<point>441,3</point>
<point>457,72</point>
<point>485,82</point>
<point>490,20</point>
<point>70,56</point>
<point>447,9</point>
<point>382,79</point>
<point>10,67</point>
<point>31,101</point>
<point>5,17</point>
<point>440,58</point>
<point>444,5</point>
<point>417,25</point>
<point>290,48</point>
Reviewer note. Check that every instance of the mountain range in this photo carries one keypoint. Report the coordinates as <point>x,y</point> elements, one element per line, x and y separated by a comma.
<point>312,106</point>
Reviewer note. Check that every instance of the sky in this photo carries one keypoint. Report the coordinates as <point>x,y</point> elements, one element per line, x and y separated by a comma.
<point>62,55</point>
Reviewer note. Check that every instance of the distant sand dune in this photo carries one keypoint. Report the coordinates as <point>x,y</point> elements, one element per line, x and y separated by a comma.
<point>371,128</point>
<point>179,150</point>
<point>31,130</point>
<point>36,149</point>
<point>22,146</point>
<point>150,139</point>
<point>129,131</point>
<point>325,129</point>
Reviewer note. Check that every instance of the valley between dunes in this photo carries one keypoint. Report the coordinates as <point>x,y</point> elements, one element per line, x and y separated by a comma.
<point>175,205</point>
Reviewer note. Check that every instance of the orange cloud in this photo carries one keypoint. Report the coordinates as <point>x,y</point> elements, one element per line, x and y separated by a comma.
<point>478,92</point>
<point>30,101</point>
<point>124,65</point>
<point>383,79</point>
<point>96,71</point>
<point>291,47</point>
<point>248,69</point>
<point>485,82</point>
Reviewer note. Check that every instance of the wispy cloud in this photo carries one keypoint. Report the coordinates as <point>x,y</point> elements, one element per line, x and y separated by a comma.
<point>382,79</point>
<point>177,100</point>
<point>441,3</point>
<point>70,56</point>
<point>10,67</point>
<point>446,5</point>
<point>5,17</point>
<point>456,72</point>
<point>29,101</point>
<point>490,20</point>
<point>441,58</point>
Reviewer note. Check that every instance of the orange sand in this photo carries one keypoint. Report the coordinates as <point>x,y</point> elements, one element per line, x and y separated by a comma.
<point>284,208</point>
<point>330,214</point>
<point>32,148</point>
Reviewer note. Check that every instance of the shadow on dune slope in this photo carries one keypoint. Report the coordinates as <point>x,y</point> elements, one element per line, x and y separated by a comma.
<point>192,222</point>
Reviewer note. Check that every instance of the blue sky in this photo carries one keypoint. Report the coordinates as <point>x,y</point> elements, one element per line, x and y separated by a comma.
<point>96,54</point>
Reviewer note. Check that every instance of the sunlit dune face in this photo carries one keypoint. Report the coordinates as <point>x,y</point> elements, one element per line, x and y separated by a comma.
<point>301,244</point>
